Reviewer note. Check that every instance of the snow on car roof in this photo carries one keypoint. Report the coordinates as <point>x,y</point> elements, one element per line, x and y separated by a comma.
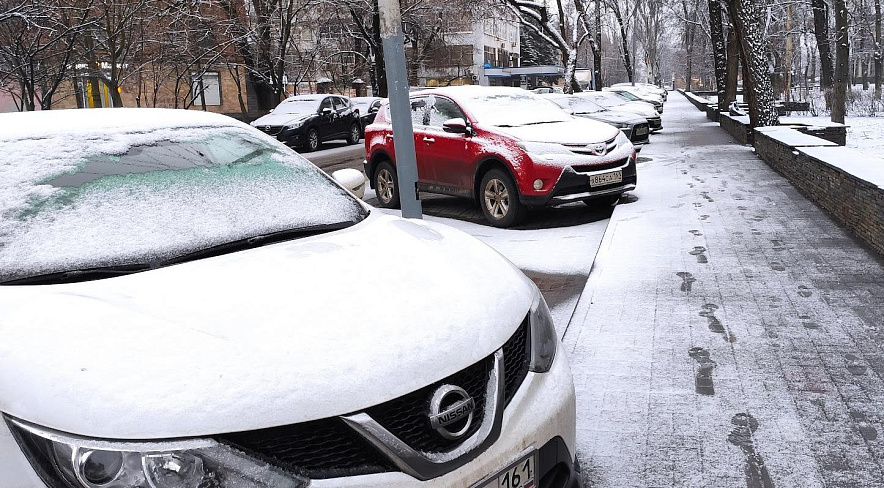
<point>31,125</point>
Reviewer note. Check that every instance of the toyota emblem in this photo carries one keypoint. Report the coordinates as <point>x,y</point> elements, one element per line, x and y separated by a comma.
<point>597,149</point>
<point>451,411</point>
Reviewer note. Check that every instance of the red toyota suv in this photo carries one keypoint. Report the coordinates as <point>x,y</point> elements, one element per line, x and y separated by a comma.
<point>507,148</point>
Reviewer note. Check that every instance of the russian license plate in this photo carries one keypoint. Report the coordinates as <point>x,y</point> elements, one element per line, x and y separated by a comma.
<point>641,131</point>
<point>606,178</point>
<point>520,474</point>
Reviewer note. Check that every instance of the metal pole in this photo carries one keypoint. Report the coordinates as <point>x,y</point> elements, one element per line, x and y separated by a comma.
<point>400,108</point>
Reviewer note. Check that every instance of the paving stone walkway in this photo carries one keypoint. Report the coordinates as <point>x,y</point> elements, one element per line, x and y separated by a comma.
<point>730,333</point>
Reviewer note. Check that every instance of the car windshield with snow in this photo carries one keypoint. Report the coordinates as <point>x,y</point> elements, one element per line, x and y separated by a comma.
<point>507,148</point>
<point>182,308</point>
<point>112,202</point>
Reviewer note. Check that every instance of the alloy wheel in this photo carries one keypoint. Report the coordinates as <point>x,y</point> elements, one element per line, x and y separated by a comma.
<point>497,199</point>
<point>313,140</point>
<point>384,185</point>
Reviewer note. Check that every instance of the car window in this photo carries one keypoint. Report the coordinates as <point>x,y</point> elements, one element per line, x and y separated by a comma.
<point>114,198</point>
<point>441,109</point>
<point>420,114</point>
<point>327,103</point>
<point>340,103</point>
<point>375,105</point>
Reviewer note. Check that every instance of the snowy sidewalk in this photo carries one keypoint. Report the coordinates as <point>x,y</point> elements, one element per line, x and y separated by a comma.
<point>729,331</point>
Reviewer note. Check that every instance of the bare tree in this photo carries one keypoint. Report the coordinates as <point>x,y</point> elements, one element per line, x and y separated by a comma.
<point>567,28</point>
<point>37,50</point>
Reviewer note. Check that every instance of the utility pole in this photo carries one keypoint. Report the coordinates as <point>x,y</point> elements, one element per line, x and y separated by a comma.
<point>400,107</point>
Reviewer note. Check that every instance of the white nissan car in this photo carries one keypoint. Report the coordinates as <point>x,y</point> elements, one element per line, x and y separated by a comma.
<point>178,309</point>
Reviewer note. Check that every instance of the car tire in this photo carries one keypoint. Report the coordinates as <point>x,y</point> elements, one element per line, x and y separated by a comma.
<point>354,135</point>
<point>386,186</point>
<point>312,143</point>
<point>499,199</point>
<point>605,201</point>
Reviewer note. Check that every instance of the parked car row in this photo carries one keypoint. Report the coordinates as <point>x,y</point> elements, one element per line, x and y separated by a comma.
<point>174,307</point>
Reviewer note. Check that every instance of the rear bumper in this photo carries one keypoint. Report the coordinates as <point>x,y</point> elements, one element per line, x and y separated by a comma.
<point>573,186</point>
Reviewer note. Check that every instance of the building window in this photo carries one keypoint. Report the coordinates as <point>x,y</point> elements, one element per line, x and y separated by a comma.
<point>491,56</point>
<point>451,56</point>
<point>208,85</point>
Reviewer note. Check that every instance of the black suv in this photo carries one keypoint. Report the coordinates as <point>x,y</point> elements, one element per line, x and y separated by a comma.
<point>306,121</point>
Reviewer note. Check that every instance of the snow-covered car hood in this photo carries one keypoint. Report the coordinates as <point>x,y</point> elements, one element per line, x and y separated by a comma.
<point>645,109</point>
<point>285,333</point>
<point>615,117</point>
<point>574,131</point>
<point>281,119</point>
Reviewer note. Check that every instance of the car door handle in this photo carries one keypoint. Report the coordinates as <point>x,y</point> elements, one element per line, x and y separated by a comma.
<point>429,140</point>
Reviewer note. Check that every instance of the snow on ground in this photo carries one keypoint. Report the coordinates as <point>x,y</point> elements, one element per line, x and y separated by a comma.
<point>863,133</point>
<point>554,252</point>
<point>728,335</point>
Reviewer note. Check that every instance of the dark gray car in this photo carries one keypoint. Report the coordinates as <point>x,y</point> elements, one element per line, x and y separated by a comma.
<point>635,127</point>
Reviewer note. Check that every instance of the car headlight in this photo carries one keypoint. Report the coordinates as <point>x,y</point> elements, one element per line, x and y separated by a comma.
<point>68,461</point>
<point>620,125</point>
<point>296,125</point>
<point>543,336</point>
<point>543,148</point>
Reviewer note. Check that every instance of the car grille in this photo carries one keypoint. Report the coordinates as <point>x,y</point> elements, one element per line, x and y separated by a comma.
<point>407,417</point>
<point>328,448</point>
<point>583,149</point>
<point>270,129</point>
<point>320,449</point>
<point>587,168</point>
<point>516,359</point>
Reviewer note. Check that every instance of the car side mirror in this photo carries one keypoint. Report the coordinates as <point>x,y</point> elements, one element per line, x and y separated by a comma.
<point>325,111</point>
<point>456,126</point>
<point>351,179</point>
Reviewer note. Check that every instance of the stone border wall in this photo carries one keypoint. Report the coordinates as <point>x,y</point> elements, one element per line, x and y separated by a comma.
<point>816,169</point>
<point>737,126</point>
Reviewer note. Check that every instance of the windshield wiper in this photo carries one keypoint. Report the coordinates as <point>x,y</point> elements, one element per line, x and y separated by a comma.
<point>88,274</point>
<point>75,275</point>
<point>256,241</point>
<point>544,122</point>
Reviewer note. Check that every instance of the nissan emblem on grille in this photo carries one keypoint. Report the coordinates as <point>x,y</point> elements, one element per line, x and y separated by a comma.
<point>451,411</point>
<point>597,149</point>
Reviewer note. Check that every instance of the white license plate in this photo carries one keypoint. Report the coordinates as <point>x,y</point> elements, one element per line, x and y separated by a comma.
<point>520,474</point>
<point>641,131</point>
<point>606,178</point>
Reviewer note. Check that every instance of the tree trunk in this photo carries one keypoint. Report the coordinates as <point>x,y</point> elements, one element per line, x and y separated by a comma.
<point>597,53</point>
<point>877,49</point>
<point>569,59</point>
<point>821,31</point>
<point>718,51</point>
<point>627,60</point>
<point>787,60</point>
<point>733,70</point>
<point>748,20</point>
<point>842,58</point>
